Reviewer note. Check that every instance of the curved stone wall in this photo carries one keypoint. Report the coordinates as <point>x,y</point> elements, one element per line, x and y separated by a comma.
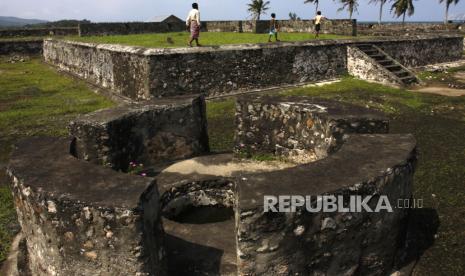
<point>296,126</point>
<point>79,217</point>
<point>82,219</point>
<point>347,243</point>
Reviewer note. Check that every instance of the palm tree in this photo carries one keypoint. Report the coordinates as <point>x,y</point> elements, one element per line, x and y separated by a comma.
<point>381,5</point>
<point>293,16</point>
<point>349,5</point>
<point>448,3</point>
<point>403,7</point>
<point>316,2</point>
<point>258,7</point>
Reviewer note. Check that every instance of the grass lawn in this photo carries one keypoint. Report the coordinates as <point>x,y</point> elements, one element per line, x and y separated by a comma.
<point>170,40</point>
<point>438,123</point>
<point>34,100</point>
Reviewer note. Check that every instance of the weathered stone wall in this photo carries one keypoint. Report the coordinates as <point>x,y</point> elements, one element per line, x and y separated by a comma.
<point>222,70</point>
<point>82,219</point>
<point>149,133</point>
<point>316,242</point>
<point>223,26</point>
<point>364,67</point>
<point>293,127</point>
<point>32,46</point>
<point>123,70</point>
<point>64,31</point>
<point>422,50</point>
<point>339,27</point>
<point>141,73</point>
<point>89,29</point>
<point>328,243</point>
<point>389,29</point>
<point>335,26</point>
<point>150,73</point>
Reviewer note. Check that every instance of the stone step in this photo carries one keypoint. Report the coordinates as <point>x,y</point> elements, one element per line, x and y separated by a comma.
<point>393,67</point>
<point>378,57</point>
<point>408,80</point>
<point>386,62</point>
<point>370,52</point>
<point>402,73</point>
<point>365,46</point>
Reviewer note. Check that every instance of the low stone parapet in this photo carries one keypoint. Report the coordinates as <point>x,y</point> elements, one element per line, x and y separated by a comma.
<point>82,219</point>
<point>150,133</point>
<point>27,46</point>
<point>296,127</point>
<point>142,73</point>
<point>332,243</point>
<point>28,32</point>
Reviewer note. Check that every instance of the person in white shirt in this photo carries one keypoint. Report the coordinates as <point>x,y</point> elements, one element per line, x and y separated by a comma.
<point>318,19</point>
<point>193,24</point>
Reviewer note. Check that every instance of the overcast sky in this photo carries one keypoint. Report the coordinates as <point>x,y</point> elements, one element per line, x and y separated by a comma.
<point>143,10</point>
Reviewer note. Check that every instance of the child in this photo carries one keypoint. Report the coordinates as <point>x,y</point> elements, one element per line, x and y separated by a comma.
<point>274,28</point>
<point>318,18</point>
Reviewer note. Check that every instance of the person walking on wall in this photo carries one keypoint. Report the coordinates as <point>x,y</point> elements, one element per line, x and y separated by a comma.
<point>318,19</point>
<point>193,24</point>
<point>274,28</point>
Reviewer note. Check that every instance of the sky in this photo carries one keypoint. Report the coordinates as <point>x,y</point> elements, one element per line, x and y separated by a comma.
<point>144,10</point>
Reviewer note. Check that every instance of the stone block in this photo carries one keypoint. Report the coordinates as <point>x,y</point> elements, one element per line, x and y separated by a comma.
<point>82,219</point>
<point>150,133</point>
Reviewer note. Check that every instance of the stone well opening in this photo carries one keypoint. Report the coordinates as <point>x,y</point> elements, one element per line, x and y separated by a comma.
<point>198,220</point>
<point>199,203</point>
<point>201,214</point>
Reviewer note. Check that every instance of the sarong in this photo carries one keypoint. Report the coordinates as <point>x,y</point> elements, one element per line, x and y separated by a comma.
<point>195,30</point>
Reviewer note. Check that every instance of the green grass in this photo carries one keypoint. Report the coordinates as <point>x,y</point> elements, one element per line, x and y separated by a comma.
<point>207,39</point>
<point>221,124</point>
<point>438,123</point>
<point>443,78</point>
<point>34,100</point>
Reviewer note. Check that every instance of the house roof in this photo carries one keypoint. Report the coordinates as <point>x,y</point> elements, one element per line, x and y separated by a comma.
<point>163,18</point>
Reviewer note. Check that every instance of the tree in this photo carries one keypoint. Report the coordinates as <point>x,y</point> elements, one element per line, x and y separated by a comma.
<point>403,7</point>
<point>350,5</point>
<point>258,7</point>
<point>316,2</point>
<point>381,5</point>
<point>293,16</point>
<point>448,3</point>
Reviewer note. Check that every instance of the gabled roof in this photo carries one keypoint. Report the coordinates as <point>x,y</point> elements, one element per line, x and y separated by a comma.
<point>165,18</point>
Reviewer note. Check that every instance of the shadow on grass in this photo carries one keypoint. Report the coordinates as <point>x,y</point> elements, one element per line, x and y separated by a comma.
<point>422,226</point>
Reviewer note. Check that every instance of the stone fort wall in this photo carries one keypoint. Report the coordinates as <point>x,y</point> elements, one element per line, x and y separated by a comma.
<point>141,73</point>
<point>11,33</point>
<point>387,29</point>
<point>26,46</point>
<point>338,27</point>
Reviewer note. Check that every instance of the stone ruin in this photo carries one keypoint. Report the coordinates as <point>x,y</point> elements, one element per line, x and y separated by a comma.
<point>198,213</point>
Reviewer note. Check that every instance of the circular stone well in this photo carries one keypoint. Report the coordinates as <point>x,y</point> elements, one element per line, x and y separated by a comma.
<point>205,215</point>
<point>204,188</point>
<point>349,159</point>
